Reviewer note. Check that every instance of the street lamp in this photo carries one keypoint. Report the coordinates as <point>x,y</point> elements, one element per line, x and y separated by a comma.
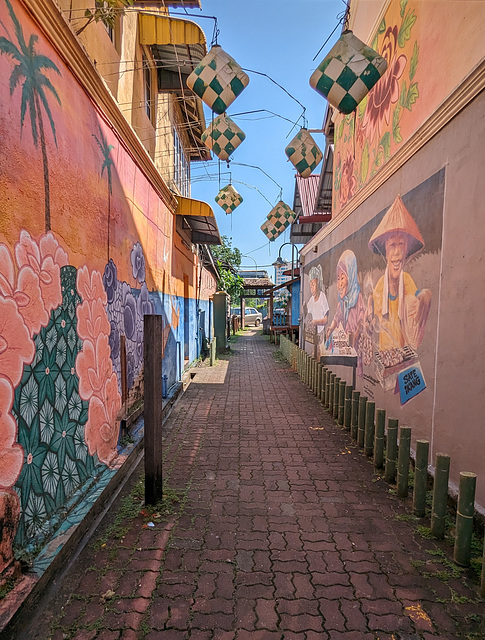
<point>279,262</point>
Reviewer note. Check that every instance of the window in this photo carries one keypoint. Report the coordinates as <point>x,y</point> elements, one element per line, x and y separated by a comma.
<point>181,167</point>
<point>147,87</point>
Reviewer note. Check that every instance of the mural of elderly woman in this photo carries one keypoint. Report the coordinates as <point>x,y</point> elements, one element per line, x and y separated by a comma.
<point>350,309</point>
<point>317,309</point>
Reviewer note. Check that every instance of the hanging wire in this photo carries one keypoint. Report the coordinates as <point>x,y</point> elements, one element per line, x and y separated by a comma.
<point>259,73</point>
<point>343,19</point>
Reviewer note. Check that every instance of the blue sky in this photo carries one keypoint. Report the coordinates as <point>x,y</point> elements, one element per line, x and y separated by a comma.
<point>278,38</point>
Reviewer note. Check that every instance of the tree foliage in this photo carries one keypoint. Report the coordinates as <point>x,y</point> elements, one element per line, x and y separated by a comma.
<point>230,282</point>
<point>226,254</point>
<point>105,11</point>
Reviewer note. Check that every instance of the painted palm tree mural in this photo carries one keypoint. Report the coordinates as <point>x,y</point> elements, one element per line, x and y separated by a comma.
<point>107,162</point>
<point>28,72</point>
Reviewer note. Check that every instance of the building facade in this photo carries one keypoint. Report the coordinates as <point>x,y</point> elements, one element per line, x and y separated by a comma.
<point>391,280</point>
<point>97,229</point>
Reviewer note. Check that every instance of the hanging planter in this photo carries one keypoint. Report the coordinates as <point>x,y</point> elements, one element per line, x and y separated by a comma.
<point>228,198</point>
<point>270,231</point>
<point>348,72</point>
<point>303,153</point>
<point>223,136</point>
<point>217,79</point>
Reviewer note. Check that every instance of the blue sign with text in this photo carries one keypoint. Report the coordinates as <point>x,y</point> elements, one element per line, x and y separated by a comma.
<point>411,382</point>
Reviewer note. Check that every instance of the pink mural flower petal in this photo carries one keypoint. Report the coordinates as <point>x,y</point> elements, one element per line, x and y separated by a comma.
<point>85,362</point>
<point>100,432</point>
<point>92,320</point>
<point>50,284</point>
<point>16,345</point>
<point>49,246</point>
<point>28,296</point>
<point>7,272</point>
<point>90,285</point>
<point>11,453</point>
<point>27,252</point>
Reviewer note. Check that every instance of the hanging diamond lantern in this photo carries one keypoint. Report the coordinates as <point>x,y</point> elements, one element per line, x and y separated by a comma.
<point>348,72</point>
<point>281,215</point>
<point>217,79</point>
<point>303,153</point>
<point>228,198</point>
<point>278,219</point>
<point>223,136</point>
<point>270,231</point>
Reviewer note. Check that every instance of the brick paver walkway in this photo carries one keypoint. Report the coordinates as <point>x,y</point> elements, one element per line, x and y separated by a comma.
<point>283,531</point>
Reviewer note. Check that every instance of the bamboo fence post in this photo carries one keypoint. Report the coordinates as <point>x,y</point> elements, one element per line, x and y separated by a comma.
<point>327,388</point>
<point>330,400</point>
<point>482,581</point>
<point>336,388</point>
<point>341,402</point>
<point>354,418</point>
<point>421,478</point>
<point>464,518</point>
<point>403,456</point>
<point>348,405</point>
<point>440,495</point>
<point>361,421</point>
<point>315,377</point>
<point>369,430</point>
<point>320,378</point>
<point>379,439</point>
<point>391,450</point>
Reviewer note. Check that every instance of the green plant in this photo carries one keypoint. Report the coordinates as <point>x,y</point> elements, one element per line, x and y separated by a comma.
<point>424,532</point>
<point>105,11</point>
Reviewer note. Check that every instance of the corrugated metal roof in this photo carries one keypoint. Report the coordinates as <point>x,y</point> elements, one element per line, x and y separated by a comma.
<point>307,191</point>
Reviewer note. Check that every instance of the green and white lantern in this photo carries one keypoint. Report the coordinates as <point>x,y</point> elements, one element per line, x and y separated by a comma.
<point>223,136</point>
<point>303,153</point>
<point>279,218</point>
<point>348,72</point>
<point>228,198</point>
<point>217,79</point>
<point>270,231</point>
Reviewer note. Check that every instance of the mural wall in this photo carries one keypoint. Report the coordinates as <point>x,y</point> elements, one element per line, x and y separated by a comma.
<point>413,37</point>
<point>370,298</point>
<point>85,252</point>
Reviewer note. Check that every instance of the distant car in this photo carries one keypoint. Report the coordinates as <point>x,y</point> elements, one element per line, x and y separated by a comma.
<point>251,315</point>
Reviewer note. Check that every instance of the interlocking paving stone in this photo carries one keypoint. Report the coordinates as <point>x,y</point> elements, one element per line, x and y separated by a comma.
<point>279,535</point>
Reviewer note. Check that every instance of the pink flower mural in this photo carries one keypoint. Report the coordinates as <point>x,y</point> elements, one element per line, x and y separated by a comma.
<point>11,454</point>
<point>16,345</point>
<point>348,181</point>
<point>101,427</point>
<point>42,261</point>
<point>386,92</point>
<point>97,381</point>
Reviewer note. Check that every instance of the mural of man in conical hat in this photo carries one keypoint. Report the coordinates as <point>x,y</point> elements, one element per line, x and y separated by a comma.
<point>401,309</point>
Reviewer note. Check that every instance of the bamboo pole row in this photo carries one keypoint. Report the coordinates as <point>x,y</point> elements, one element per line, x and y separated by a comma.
<point>391,451</point>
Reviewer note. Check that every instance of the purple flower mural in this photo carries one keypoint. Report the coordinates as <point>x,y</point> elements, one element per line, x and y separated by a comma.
<point>126,308</point>
<point>110,280</point>
<point>138,262</point>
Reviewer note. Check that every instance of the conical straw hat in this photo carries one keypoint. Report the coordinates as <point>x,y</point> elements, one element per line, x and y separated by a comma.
<point>397,219</point>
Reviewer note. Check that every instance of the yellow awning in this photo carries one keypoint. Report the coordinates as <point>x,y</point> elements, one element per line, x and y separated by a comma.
<point>165,30</point>
<point>191,207</point>
<point>198,217</point>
